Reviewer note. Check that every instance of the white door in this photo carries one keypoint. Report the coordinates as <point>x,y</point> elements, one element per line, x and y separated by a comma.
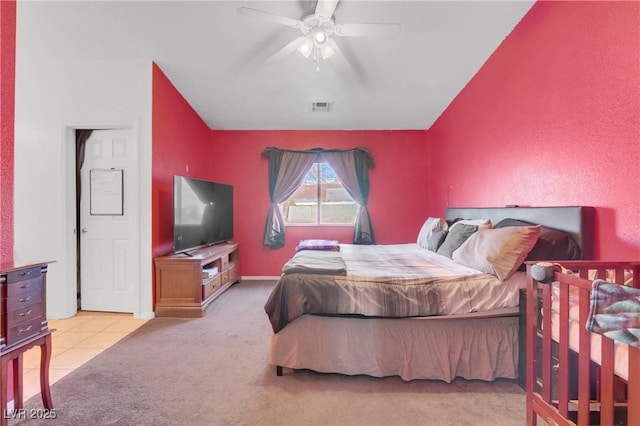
<point>108,231</point>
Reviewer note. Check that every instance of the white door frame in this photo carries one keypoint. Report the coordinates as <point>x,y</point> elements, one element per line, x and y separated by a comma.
<point>69,214</point>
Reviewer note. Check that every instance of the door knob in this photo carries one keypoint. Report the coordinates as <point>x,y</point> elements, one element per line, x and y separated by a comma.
<point>83,230</point>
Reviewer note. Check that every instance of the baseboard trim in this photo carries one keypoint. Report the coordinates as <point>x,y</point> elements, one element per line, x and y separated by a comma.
<point>144,315</point>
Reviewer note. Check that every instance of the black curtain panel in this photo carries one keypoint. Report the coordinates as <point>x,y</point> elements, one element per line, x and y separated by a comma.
<point>81,139</point>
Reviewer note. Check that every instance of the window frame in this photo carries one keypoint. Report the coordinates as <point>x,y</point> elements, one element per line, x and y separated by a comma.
<point>319,203</point>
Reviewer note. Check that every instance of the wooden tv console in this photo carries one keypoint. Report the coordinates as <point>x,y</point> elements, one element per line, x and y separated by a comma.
<point>187,283</point>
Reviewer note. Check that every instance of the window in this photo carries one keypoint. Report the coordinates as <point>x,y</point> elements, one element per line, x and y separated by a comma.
<point>287,168</point>
<point>320,200</point>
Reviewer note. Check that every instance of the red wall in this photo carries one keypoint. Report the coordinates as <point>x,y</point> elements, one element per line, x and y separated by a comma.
<point>181,144</point>
<point>7,111</point>
<point>181,138</point>
<point>396,204</point>
<point>553,118</point>
<point>7,125</point>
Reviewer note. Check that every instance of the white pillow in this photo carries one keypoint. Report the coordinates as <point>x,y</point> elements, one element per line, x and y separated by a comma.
<point>430,226</point>
<point>497,251</point>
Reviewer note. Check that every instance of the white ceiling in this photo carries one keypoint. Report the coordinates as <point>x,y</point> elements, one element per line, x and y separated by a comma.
<point>217,58</point>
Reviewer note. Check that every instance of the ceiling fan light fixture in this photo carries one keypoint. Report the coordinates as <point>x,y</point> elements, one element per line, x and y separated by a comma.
<point>327,52</point>
<point>306,47</point>
<point>318,30</point>
<point>320,37</point>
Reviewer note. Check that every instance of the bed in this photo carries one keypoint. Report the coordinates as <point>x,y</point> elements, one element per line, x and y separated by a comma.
<point>583,360</point>
<point>468,330</point>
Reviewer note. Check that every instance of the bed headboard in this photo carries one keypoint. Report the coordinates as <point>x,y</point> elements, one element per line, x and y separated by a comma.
<point>577,221</point>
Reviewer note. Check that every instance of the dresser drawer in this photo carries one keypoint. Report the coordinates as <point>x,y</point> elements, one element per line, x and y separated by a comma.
<point>25,314</point>
<point>22,300</point>
<point>23,274</point>
<point>211,287</point>
<point>23,330</point>
<point>18,289</point>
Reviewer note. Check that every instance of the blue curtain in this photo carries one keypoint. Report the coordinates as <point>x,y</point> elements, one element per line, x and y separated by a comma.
<point>352,167</point>
<point>286,171</point>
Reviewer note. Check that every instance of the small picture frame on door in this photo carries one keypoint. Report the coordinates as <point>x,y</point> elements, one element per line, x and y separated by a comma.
<point>106,192</point>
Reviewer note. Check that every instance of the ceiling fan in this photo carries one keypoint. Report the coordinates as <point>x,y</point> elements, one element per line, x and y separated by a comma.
<point>318,29</point>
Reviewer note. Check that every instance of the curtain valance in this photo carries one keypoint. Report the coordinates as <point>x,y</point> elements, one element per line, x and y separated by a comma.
<point>361,152</point>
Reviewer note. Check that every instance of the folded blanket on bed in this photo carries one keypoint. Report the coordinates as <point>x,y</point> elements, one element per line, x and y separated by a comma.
<point>322,263</point>
<point>332,245</point>
<point>615,312</point>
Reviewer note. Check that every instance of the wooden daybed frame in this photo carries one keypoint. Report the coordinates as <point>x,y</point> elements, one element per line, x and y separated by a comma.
<point>565,386</point>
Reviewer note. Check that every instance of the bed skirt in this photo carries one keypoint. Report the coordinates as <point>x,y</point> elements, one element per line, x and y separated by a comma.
<point>470,347</point>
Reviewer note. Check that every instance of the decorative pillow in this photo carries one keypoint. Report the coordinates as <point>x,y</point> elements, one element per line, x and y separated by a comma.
<point>436,239</point>
<point>482,223</point>
<point>551,245</point>
<point>430,226</point>
<point>455,237</point>
<point>331,245</point>
<point>498,251</point>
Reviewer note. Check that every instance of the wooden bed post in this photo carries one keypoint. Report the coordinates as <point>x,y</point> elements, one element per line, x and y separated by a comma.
<point>532,321</point>
<point>633,393</point>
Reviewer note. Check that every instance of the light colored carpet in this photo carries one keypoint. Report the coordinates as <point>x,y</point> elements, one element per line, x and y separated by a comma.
<point>214,371</point>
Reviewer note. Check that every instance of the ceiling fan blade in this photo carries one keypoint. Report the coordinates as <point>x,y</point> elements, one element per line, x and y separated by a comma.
<point>247,11</point>
<point>288,49</point>
<point>325,8</point>
<point>366,30</point>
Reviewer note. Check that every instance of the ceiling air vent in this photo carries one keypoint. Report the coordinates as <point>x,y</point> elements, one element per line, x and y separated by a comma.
<point>321,106</point>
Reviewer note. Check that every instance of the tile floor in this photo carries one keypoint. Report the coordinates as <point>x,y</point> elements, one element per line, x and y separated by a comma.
<point>75,341</point>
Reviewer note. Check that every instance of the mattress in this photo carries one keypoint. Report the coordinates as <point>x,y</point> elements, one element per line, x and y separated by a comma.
<point>402,280</point>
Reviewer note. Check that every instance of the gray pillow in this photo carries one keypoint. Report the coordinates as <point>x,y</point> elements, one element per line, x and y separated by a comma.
<point>455,237</point>
<point>436,239</point>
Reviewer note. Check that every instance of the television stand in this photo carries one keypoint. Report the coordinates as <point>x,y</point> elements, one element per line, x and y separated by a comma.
<point>186,286</point>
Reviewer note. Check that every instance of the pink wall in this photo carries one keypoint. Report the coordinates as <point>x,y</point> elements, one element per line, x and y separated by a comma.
<point>181,146</point>
<point>396,204</point>
<point>7,111</point>
<point>553,118</point>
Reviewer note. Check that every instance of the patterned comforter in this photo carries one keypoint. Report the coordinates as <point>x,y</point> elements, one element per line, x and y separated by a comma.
<point>402,280</point>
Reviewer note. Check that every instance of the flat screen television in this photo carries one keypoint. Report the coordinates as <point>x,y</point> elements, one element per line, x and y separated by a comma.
<point>202,213</point>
